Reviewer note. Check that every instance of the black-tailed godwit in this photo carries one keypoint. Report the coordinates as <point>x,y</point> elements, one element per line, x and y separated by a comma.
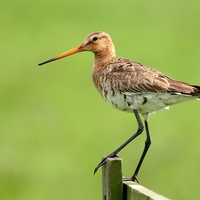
<point>130,86</point>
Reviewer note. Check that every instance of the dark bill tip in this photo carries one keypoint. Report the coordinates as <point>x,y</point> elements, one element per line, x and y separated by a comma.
<point>47,61</point>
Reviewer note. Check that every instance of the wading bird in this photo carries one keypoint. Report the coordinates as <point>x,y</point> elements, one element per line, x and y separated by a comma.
<point>130,86</point>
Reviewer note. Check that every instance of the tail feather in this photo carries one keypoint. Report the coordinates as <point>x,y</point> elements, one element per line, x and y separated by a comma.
<point>189,90</point>
<point>196,91</point>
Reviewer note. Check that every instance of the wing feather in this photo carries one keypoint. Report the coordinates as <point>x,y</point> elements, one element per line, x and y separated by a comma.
<point>130,76</point>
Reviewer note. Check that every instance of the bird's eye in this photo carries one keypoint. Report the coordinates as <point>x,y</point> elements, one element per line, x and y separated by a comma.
<point>95,38</point>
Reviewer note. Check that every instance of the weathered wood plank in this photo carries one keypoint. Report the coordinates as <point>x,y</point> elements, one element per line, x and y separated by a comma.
<point>134,191</point>
<point>112,179</point>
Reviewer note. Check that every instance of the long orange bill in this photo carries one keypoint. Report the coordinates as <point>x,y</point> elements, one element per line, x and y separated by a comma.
<point>77,49</point>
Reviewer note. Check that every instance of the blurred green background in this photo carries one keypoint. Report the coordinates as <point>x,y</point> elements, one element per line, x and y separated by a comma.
<point>54,125</point>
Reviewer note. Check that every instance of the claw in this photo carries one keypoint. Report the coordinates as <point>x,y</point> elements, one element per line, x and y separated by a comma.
<point>134,179</point>
<point>104,161</point>
<point>100,164</point>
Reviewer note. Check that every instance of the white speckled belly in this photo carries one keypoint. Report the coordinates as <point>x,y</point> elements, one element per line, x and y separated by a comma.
<point>143,102</point>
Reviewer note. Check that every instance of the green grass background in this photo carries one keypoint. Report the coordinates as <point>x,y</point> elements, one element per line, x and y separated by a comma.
<point>54,125</point>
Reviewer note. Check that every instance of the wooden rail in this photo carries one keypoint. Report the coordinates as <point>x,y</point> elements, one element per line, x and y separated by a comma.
<point>116,189</point>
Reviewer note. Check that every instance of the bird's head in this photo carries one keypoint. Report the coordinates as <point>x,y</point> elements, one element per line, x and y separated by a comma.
<point>99,43</point>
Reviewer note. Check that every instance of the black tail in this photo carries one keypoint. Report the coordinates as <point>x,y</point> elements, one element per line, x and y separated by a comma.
<point>196,91</point>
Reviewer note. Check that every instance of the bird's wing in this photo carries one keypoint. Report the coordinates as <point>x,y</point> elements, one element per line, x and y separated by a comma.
<point>130,76</point>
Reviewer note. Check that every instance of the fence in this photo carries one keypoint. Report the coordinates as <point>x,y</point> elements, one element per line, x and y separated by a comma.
<point>116,189</point>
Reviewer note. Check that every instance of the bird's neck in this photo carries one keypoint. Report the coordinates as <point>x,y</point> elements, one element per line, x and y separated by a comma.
<point>102,59</point>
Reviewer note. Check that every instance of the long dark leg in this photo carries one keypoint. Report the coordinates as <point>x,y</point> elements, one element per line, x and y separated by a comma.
<point>114,153</point>
<point>146,147</point>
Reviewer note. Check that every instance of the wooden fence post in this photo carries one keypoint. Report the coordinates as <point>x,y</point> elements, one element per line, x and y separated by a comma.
<point>112,179</point>
<point>116,189</point>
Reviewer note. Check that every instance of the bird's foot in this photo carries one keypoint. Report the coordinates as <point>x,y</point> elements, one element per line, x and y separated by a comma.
<point>103,161</point>
<point>133,178</point>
